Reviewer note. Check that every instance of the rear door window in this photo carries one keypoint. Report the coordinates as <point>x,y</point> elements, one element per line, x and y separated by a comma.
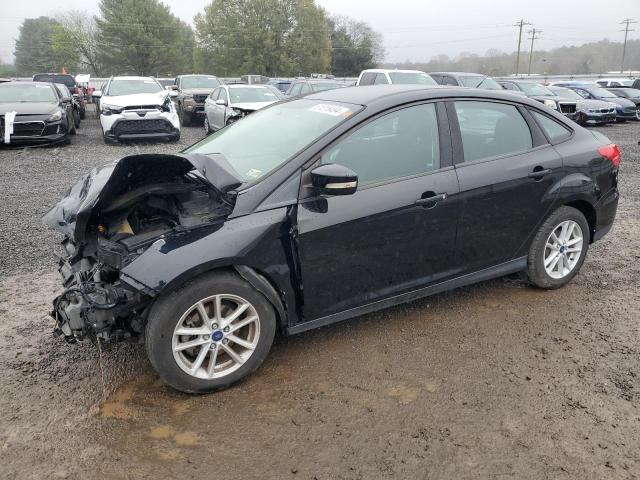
<point>555,131</point>
<point>381,79</point>
<point>491,129</point>
<point>306,88</point>
<point>367,78</point>
<point>447,80</point>
<point>295,90</point>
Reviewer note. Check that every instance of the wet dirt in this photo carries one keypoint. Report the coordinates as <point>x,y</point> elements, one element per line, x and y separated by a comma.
<point>497,380</point>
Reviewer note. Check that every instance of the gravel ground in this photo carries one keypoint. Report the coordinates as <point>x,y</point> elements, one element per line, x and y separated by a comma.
<point>497,380</point>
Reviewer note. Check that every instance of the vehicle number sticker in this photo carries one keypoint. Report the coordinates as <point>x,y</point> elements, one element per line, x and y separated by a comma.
<point>253,173</point>
<point>333,110</point>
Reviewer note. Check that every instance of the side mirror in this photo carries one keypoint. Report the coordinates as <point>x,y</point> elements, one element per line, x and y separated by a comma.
<point>222,102</point>
<point>66,99</point>
<point>333,179</point>
<point>173,93</point>
<point>96,93</point>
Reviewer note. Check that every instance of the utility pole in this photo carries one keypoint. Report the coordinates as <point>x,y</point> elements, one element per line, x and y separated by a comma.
<point>626,22</point>
<point>533,37</point>
<point>520,24</point>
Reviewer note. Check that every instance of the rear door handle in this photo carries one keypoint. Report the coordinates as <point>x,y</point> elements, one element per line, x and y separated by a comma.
<point>538,174</point>
<point>431,201</point>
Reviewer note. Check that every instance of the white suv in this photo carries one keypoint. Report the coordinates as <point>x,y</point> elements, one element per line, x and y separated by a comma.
<point>380,76</point>
<point>136,108</point>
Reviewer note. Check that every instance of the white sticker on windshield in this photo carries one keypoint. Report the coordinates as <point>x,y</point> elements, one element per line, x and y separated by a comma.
<point>42,86</point>
<point>253,173</point>
<point>333,110</point>
<point>149,81</point>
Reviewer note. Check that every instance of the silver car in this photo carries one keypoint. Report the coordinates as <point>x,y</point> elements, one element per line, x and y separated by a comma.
<point>229,103</point>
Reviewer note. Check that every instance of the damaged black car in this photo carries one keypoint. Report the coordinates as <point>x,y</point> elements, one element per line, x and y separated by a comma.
<point>320,209</point>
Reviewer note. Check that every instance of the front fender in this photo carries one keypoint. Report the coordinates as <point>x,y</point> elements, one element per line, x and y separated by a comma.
<point>259,240</point>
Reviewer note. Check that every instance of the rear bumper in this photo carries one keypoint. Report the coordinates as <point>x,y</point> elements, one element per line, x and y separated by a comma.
<point>606,210</point>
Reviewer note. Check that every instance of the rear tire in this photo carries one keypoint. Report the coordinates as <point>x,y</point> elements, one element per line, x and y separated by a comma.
<point>201,309</point>
<point>559,248</point>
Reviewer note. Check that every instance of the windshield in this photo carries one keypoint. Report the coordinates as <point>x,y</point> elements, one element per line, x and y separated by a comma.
<point>131,87</point>
<point>276,134</point>
<point>600,92</point>
<point>63,89</point>
<point>67,80</point>
<point>200,81</point>
<point>26,92</point>
<point>252,94</point>
<point>411,78</point>
<point>566,93</point>
<point>632,92</point>
<point>480,81</point>
<point>535,89</point>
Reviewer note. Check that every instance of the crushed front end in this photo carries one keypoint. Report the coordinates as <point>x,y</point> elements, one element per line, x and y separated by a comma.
<point>112,217</point>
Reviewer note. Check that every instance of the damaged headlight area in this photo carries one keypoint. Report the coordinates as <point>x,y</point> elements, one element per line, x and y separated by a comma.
<point>95,304</point>
<point>112,217</point>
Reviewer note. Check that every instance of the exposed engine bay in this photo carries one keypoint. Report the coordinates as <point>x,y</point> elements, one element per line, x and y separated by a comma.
<point>144,200</point>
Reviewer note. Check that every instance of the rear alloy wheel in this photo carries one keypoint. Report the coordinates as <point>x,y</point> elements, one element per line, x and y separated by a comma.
<point>559,248</point>
<point>209,334</point>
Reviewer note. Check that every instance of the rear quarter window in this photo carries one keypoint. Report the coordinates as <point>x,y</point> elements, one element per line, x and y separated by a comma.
<point>555,131</point>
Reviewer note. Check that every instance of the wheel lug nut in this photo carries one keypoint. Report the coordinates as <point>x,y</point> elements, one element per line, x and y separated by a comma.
<point>213,346</point>
<point>205,337</point>
<point>226,329</point>
<point>215,325</point>
<point>225,340</point>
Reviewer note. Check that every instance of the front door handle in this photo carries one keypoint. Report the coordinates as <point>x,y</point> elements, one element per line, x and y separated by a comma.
<point>430,200</point>
<point>539,174</point>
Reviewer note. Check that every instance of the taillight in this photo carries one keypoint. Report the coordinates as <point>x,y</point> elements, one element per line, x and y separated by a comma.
<point>612,153</point>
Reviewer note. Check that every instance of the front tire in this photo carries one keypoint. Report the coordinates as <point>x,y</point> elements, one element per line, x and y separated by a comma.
<point>210,333</point>
<point>207,127</point>
<point>559,248</point>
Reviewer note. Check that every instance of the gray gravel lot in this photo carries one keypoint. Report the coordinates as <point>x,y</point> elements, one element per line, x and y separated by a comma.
<point>497,380</point>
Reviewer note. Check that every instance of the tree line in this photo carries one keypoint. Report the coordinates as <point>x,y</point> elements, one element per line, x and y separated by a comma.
<point>589,58</point>
<point>230,38</point>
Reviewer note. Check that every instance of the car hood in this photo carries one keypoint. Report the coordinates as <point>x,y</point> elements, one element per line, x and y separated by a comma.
<point>28,108</point>
<point>623,102</point>
<point>251,106</point>
<point>542,98</point>
<point>136,99</point>
<point>103,185</point>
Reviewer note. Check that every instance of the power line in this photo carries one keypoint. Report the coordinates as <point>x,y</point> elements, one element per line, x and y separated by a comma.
<point>533,38</point>
<point>520,24</point>
<point>626,22</point>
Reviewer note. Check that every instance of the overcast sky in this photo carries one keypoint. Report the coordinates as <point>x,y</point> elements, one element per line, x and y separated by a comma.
<point>412,29</point>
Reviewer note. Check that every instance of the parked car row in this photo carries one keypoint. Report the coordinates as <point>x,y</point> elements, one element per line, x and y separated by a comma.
<point>145,107</point>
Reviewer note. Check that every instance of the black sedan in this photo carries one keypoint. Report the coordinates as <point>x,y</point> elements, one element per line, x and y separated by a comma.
<point>344,202</point>
<point>42,113</point>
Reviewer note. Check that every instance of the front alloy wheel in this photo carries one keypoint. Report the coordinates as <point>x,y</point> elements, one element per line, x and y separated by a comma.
<point>216,336</point>
<point>210,333</point>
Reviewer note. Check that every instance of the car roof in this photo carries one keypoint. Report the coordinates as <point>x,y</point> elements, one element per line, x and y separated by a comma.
<point>397,94</point>
<point>460,74</point>
<point>390,70</point>
<point>243,85</point>
<point>197,75</point>
<point>57,74</point>
<point>125,77</point>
